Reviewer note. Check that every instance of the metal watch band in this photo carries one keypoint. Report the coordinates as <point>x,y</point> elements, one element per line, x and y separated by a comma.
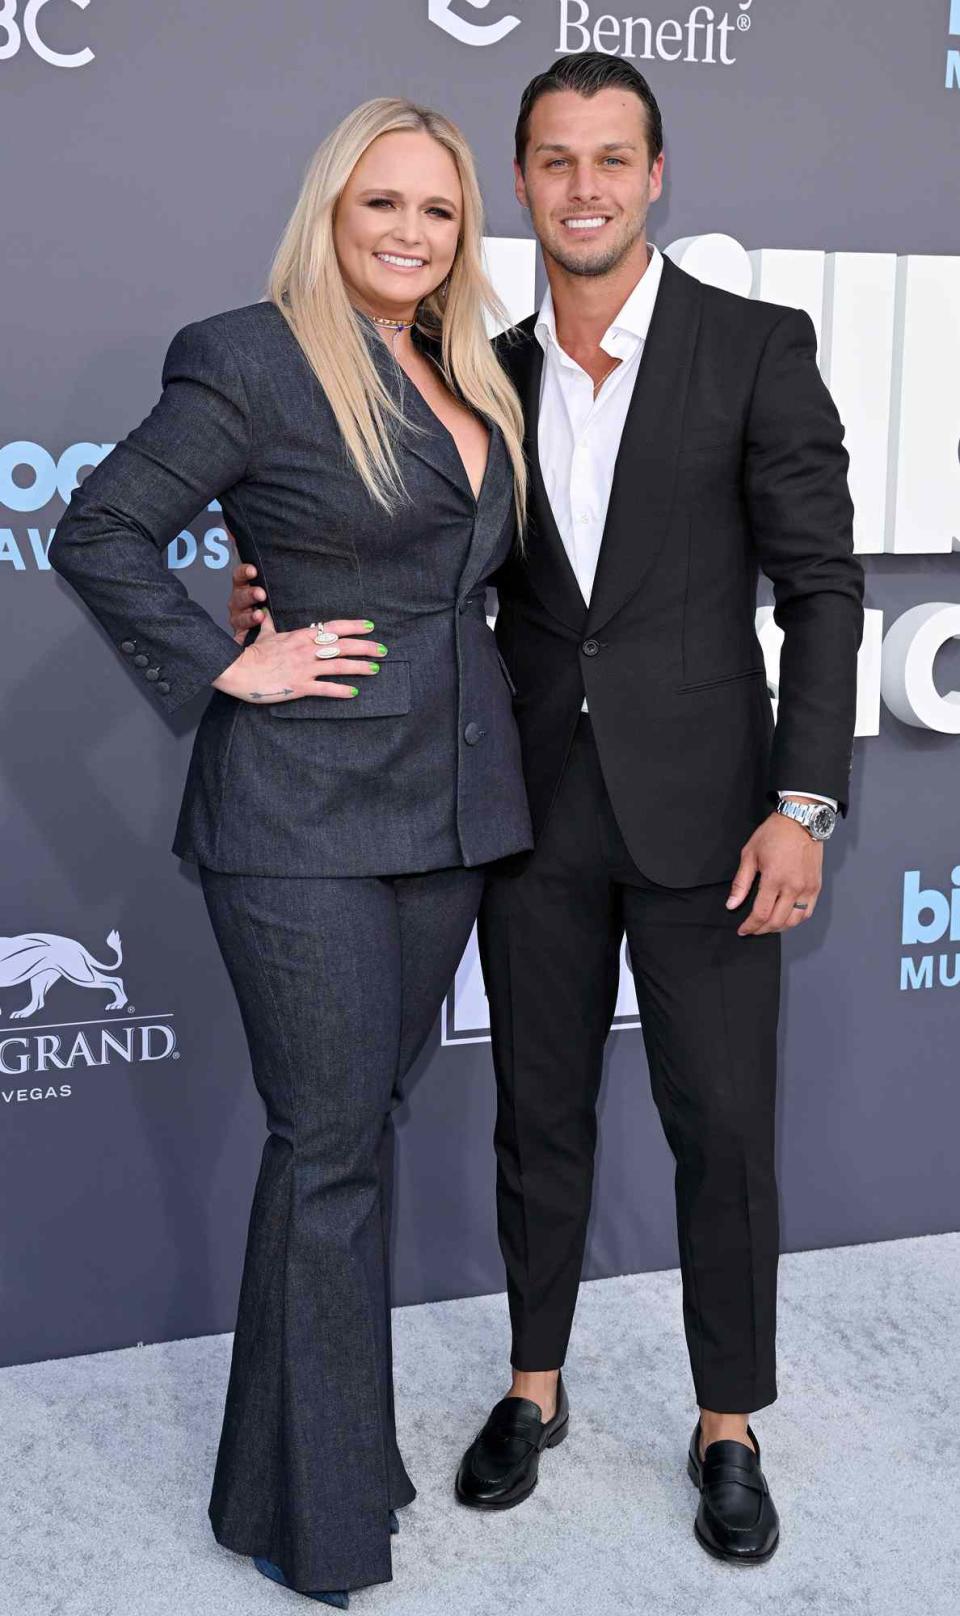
<point>817,818</point>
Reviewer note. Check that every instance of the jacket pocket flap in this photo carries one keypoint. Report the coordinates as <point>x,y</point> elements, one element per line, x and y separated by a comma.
<point>722,679</point>
<point>382,695</point>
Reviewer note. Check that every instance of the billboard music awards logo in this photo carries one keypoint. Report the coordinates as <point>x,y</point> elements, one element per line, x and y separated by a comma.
<point>930,922</point>
<point>37,962</point>
<point>31,479</point>
<point>703,35</point>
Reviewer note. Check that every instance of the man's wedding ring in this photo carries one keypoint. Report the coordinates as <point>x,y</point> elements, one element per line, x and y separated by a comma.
<point>329,643</point>
<point>801,906</point>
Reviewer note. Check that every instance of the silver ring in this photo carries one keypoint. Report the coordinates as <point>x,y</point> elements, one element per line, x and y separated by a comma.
<point>801,906</point>
<point>328,650</point>
<point>323,635</point>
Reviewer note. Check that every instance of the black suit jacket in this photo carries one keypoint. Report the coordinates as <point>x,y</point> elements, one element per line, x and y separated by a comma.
<point>731,461</point>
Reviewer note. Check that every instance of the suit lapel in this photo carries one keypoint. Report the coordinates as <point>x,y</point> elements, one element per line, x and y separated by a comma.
<point>644,479</point>
<point>546,563</point>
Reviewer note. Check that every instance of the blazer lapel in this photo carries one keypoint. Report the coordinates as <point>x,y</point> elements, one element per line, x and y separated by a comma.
<point>644,479</point>
<point>546,562</point>
<point>422,434</point>
<point>425,436</point>
<point>494,508</point>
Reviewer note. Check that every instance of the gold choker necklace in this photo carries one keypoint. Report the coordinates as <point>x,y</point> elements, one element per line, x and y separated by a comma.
<point>395,325</point>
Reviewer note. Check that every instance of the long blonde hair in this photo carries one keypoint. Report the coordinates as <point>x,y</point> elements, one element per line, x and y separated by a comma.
<point>307,287</point>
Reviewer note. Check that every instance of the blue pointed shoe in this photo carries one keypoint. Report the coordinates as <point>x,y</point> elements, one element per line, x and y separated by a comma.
<point>337,1597</point>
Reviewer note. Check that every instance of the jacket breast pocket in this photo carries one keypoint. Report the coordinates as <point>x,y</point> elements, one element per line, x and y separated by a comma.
<point>382,695</point>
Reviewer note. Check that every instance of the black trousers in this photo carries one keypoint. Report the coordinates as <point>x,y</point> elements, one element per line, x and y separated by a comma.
<point>339,983</point>
<point>551,925</point>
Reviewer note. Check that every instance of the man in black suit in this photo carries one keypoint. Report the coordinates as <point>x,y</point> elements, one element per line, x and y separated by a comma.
<point>679,438</point>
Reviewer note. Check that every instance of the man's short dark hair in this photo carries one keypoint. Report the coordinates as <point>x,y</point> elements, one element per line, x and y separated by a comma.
<point>586,73</point>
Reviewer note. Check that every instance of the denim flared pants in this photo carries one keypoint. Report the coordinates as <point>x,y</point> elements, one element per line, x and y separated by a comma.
<point>339,982</point>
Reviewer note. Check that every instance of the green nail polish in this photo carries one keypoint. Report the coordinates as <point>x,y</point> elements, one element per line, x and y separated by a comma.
<point>374,667</point>
<point>368,624</point>
<point>381,650</point>
<point>353,690</point>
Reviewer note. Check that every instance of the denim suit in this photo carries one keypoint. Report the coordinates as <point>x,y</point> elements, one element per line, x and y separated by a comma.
<point>342,847</point>
<point>422,769</point>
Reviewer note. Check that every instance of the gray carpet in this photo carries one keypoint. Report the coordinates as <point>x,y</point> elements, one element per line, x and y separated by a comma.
<point>106,1463</point>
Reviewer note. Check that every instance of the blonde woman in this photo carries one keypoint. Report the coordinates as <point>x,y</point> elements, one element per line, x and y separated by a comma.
<point>356,768</point>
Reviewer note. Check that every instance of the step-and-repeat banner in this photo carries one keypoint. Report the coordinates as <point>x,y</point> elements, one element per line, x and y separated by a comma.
<point>151,155</point>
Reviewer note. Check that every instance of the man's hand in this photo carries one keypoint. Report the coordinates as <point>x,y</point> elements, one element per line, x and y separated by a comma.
<point>244,611</point>
<point>790,866</point>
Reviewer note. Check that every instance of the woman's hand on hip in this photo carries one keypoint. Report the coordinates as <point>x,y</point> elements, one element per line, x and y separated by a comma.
<point>287,666</point>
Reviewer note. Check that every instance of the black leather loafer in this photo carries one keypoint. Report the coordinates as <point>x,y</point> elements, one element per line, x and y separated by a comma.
<point>737,1519</point>
<point>499,1469</point>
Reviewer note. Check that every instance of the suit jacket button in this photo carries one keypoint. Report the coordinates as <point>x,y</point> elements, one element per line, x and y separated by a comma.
<point>152,673</point>
<point>163,688</point>
<point>590,647</point>
<point>128,647</point>
<point>472,734</point>
<point>140,661</point>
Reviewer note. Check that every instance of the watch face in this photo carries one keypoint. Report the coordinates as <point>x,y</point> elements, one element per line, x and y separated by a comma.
<point>823,821</point>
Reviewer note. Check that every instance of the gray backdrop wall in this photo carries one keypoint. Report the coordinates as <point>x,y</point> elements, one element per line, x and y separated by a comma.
<point>150,158</point>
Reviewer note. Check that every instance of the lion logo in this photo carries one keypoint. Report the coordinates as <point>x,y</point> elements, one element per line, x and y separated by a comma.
<point>41,958</point>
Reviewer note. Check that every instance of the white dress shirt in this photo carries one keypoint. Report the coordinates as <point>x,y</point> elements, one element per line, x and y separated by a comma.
<point>578,436</point>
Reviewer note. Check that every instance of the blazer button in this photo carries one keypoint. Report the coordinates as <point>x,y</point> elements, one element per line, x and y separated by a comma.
<point>140,661</point>
<point>163,688</point>
<point>590,647</point>
<point>472,734</point>
<point>152,673</point>
<point>128,647</point>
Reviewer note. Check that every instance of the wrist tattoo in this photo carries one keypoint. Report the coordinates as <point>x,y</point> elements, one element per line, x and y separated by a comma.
<point>270,695</point>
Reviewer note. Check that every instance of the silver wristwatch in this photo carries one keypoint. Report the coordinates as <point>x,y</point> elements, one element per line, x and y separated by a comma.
<point>816,817</point>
